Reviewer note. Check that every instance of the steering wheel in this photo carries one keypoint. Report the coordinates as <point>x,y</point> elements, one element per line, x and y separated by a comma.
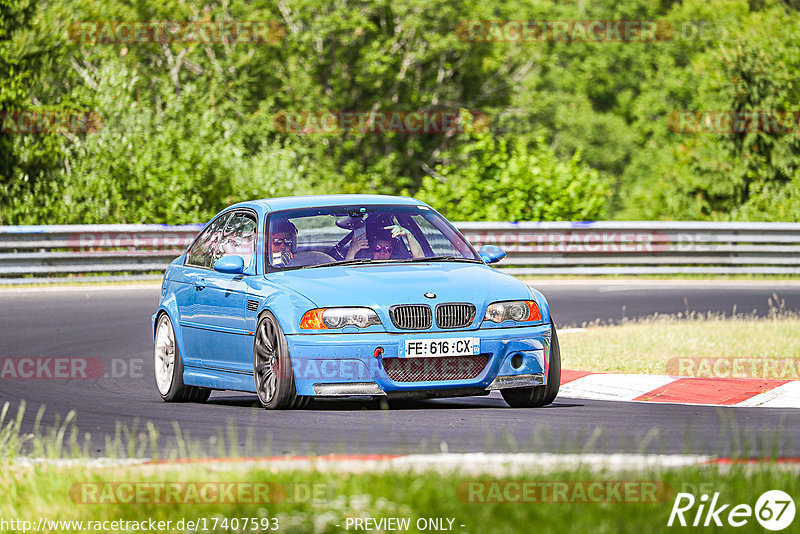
<point>312,257</point>
<point>339,250</point>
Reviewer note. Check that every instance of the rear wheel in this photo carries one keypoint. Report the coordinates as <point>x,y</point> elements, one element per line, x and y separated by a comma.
<point>538,396</point>
<point>272,367</point>
<point>168,367</point>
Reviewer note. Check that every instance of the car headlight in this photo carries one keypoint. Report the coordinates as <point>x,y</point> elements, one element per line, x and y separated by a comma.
<point>335,318</point>
<point>518,311</point>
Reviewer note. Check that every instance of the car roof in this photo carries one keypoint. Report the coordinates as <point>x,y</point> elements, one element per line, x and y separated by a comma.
<point>310,201</point>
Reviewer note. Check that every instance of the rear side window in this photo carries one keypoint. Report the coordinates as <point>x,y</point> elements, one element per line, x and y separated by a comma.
<point>239,238</point>
<point>202,252</point>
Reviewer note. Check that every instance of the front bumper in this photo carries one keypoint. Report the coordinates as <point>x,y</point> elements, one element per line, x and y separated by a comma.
<point>335,365</point>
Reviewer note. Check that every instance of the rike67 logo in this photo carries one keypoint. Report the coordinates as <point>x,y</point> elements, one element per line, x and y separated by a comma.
<point>774,510</point>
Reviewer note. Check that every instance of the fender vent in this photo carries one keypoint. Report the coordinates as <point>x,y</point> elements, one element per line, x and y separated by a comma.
<point>252,305</point>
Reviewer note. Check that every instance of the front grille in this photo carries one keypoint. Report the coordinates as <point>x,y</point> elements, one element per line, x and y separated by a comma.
<point>412,316</point>
<point>431,369</point>
<point>454,315</point>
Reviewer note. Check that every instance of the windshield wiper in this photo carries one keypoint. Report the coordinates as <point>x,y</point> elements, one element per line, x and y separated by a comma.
<point>343,262</point>
<point>436,258</point>
<point>408,260</point>
<point>348,262</point>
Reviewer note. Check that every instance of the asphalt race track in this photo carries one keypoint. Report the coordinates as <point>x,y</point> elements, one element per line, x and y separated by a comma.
<point>112,324</point>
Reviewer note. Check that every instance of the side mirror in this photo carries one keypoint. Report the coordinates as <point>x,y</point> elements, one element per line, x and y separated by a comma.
<point>230,265</point>
<point>491,254</point>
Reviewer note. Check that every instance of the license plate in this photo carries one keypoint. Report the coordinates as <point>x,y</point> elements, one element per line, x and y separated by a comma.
<point>424,348</point>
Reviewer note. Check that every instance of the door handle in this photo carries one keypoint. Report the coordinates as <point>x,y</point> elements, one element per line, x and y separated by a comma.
<point>199,283</point>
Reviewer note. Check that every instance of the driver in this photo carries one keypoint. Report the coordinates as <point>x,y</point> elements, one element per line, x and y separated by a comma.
<point>282,242</point>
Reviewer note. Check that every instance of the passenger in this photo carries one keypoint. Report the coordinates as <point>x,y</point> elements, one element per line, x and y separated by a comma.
<point>381,245</point>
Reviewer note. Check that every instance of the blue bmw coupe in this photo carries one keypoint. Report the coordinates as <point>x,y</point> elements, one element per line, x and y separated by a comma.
<point>348,295</point>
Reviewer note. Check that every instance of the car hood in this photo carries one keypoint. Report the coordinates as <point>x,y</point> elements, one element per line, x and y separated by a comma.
<point>386,284</point>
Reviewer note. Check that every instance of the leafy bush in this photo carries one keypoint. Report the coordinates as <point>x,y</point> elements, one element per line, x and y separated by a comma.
<point>504,179</point>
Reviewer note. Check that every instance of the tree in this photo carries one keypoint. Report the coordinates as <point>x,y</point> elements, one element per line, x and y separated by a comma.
<point>15,77</point>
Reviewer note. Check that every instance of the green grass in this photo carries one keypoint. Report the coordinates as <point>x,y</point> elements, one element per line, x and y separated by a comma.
<point>647,345</point>
<point>312,501</point>
<point>316,501</point>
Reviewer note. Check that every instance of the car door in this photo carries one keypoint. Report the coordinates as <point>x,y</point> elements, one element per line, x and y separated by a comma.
<point>222,304</point>
<point>192,282</point>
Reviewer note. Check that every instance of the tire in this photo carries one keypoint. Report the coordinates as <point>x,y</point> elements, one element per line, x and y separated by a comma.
<point>272,367</point>
<point>538,396</point>
<point>168,367</point>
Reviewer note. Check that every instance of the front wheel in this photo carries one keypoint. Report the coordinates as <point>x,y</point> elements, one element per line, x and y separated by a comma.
<point>538,396</point>
<point>272,367</point>
<point>168,367</point>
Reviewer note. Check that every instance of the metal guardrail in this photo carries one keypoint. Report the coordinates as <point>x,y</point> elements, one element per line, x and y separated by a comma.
<point>32,254</point>
<point>642,247</point>
<point>122,251</point>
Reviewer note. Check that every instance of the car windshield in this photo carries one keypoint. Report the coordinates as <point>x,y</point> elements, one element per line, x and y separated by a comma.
<point>315,237</point>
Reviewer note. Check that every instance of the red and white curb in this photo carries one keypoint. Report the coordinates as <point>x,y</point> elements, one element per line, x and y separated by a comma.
<point>507,464</point>
<point>495,464</point>
<point>680,390</point>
